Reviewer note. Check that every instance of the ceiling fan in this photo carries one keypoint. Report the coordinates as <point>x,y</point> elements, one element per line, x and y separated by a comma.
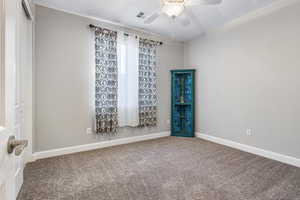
<point>174,8</point>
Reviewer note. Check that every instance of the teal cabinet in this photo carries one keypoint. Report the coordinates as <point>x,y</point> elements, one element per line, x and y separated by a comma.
<point>183,103</point>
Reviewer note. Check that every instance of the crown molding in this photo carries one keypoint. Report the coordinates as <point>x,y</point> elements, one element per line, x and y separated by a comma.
<point>261,12</point>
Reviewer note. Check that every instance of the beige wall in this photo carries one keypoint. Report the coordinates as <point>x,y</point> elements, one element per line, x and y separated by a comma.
<point>63,61</point>
<point>248,77</point>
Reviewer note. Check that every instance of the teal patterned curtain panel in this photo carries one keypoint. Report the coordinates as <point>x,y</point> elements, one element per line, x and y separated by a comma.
<point>106,81</point>
<point>147,83</point>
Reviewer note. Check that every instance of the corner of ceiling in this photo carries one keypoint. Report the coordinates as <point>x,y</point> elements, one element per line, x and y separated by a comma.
<point>261,12</point>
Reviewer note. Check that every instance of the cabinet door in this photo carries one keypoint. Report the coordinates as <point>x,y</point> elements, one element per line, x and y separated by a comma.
<point>182,103</point>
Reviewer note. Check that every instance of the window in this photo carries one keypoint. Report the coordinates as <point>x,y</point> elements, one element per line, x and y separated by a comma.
<point>128,80</point>
<point>124,87</point>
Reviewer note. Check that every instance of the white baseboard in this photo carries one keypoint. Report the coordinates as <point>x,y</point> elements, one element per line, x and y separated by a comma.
<point>87,147</point>
<point>98,145</point>
<point>250,149</point>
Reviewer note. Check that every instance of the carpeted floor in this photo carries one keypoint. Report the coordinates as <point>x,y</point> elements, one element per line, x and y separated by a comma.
<point>162,169</point>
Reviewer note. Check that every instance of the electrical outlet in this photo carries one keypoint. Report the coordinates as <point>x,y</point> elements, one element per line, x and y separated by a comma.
<point>89,131</point>
<point>168,122</point>
<point>249,132</point>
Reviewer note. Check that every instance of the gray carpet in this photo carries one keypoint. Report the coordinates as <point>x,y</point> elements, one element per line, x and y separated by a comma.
<point>162,169</point>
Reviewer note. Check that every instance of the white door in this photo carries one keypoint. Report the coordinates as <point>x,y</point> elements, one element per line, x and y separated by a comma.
<point>16,52</point>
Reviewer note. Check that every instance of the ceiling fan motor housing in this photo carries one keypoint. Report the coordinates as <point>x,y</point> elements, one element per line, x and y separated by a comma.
<point>173,8</point>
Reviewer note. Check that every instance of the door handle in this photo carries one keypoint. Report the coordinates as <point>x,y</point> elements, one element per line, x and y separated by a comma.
<point>17,145</point>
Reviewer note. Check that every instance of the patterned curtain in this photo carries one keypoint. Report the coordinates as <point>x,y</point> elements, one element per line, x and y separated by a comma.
<point>147,83</point>
<point>106,81</point>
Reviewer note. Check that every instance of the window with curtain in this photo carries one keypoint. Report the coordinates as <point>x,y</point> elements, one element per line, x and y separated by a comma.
<point>125,91</point>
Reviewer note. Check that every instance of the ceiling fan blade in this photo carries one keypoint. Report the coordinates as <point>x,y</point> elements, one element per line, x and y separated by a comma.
<point>202,2</point>
<point>152,17</point>
<point>184,21</point>
<point>193,17</point>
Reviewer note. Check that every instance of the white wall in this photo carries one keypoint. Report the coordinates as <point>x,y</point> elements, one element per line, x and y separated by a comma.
<point>62,81</point>
<point>248,77</point>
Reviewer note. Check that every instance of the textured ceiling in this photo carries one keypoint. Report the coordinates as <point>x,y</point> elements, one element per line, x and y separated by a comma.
<point>125,11</point>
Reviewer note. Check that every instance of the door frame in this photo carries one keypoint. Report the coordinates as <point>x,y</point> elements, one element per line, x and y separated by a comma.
<point>2,64</point>
<point>28,90</point>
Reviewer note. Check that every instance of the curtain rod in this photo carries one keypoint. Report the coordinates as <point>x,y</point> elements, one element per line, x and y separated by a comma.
<point>126,34</point>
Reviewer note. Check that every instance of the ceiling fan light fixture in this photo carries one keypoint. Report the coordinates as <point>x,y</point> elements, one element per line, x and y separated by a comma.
<point>173,9</point>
